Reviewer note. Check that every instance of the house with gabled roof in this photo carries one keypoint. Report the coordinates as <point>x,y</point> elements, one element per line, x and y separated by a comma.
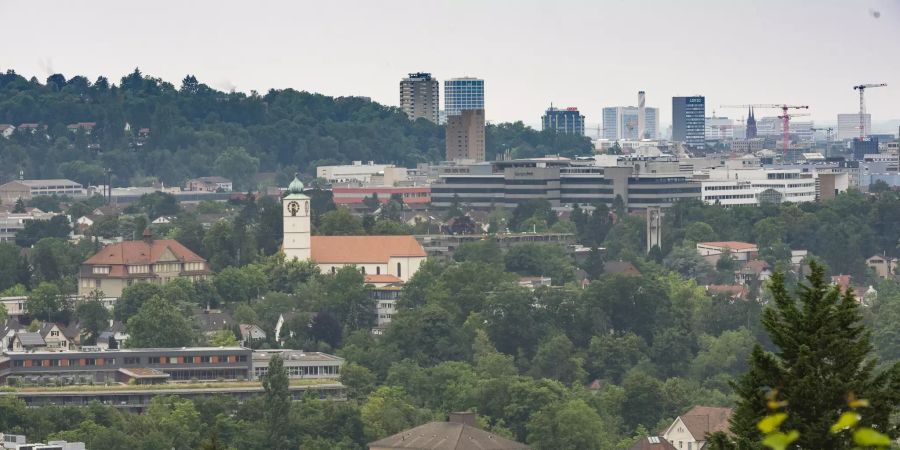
<point>120,265</point>
<point>689,431</point>
<point>54,336</point>
<point>653,443</point>
<point>460,432</point>
<point>24,341</point>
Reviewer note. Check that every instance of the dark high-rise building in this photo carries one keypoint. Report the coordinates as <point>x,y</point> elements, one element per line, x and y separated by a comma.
<point>864,146</point>
<point>464,137</point>
<point>751,125</point>
<point>566,121</point>
<point>689,120</point>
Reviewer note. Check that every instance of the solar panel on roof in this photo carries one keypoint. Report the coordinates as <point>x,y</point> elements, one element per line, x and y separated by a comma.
<point>653,439</point>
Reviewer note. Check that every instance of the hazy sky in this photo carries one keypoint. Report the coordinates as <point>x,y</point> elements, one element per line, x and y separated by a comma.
<point>584,53</point>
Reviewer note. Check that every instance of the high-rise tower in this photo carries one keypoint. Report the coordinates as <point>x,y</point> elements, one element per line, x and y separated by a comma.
<point>295,208</point>
<point>419,96</point>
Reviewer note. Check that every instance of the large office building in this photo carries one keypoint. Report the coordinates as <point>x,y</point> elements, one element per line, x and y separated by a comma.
<point>623,123</point>
<point>639,182</point>
<point>464,137</point>
<point>719,129</point>
<point>565,121</point>
<point>689,120</point>
<point>420,96</point>
<point>848,126</point>
<point>462,94</point>
<point>727,187</point>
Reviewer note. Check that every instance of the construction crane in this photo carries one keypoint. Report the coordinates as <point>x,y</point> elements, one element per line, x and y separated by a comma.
<point>785,118</point>
<point>862,105</point>
<point>827,131</point>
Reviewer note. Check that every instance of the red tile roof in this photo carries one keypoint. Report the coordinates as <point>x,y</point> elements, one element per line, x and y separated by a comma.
<point>141,252</point>
<point>363,249</point>
<point>382,279</point>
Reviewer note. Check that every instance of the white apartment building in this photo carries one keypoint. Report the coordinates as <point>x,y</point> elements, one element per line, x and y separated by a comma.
<point>729,187</point>
<point>11,223</point>
<point>848,125</point>
<point>359,173</point>
<point>719,129</point>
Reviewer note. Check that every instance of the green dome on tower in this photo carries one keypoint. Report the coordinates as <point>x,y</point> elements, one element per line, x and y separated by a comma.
<point>296,186</point>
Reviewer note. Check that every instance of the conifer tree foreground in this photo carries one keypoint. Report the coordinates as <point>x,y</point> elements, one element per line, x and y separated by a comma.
<point>823,356</point>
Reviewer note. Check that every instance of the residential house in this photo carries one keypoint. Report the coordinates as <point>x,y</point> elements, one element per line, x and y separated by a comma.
<point>250,333</point>
<point>55,337</point>
<point>620,268</point>
<point>534,282</point>
<point>15,305</point>
<point>385,299</point>
<point>31,127</point>
<point>6,130</point>
<point>740,251</point>
<point>754,271</point>
<point>209,184</point>
<point>113,337</point>
<point>729,291</point>
<point>120,265</point>
<point>884,267</point>
<point>689,431</point>
<point>381,280</point>
<point>88,127</point>
<point>459,432</point>
<point>214,320</point>
<point>25,341</point>
<point>653,443</point>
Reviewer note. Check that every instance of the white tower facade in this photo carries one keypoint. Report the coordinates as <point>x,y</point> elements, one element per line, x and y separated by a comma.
<point>295,209</point>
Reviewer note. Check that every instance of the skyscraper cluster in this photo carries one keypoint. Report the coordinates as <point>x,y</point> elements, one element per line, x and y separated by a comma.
<point>463,108</point>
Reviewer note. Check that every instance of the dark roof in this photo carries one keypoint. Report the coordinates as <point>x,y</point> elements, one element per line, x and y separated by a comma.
<point>446,436</point>
<point>620,268</point>
<point>30,339</point>
<point>653,443</point>
<point>213,321</point>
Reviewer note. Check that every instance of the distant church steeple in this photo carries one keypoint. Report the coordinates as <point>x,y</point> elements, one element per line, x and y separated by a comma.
<point>751,125</point>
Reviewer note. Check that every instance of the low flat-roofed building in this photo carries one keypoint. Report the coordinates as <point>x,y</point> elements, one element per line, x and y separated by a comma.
<point>102,366</point>
<point>352,195</point>
<point>209,184</point>
<point>28,189</point>
<point>740,251</point>
<point>299,364</point>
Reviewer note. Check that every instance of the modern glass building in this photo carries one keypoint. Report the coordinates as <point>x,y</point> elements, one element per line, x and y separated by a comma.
<point>621,123</point>
<point>463,93</point>
<point>689,120</point>
<point>566,121</point>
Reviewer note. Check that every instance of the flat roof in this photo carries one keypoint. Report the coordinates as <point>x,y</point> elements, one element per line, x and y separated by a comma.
<point>294,355</point>
<point>126,350</point>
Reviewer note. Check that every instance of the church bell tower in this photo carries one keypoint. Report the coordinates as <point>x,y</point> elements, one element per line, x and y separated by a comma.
<point>295,209</point>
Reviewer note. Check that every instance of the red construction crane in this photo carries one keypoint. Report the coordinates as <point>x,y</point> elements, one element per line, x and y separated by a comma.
<point>785,119</point>
<point>862,105</point>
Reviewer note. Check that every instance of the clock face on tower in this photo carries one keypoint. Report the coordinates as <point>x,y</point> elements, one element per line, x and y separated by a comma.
<point>293,208</point>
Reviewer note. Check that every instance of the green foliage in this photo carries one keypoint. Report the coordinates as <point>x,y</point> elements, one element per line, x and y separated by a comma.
<point>547,260</point>
<point>158,324</point>
<point>814,329</point>
<point>340,223</point>
<point>278,403</point>
<point>93,318</point>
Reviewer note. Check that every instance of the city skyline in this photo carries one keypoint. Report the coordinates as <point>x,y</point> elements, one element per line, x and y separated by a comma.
<point>805,55</point>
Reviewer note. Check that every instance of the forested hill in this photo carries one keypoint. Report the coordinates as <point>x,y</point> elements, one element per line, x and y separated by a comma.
<point>147,127</point>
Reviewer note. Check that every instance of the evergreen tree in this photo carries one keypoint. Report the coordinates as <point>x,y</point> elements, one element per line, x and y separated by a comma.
<point>822,358</point>
<point>278,404</point>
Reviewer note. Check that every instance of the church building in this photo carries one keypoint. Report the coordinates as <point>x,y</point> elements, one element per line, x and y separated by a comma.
<point>382,259</point>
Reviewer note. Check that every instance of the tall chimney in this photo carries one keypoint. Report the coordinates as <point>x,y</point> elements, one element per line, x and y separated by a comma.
<point>642,125</point>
